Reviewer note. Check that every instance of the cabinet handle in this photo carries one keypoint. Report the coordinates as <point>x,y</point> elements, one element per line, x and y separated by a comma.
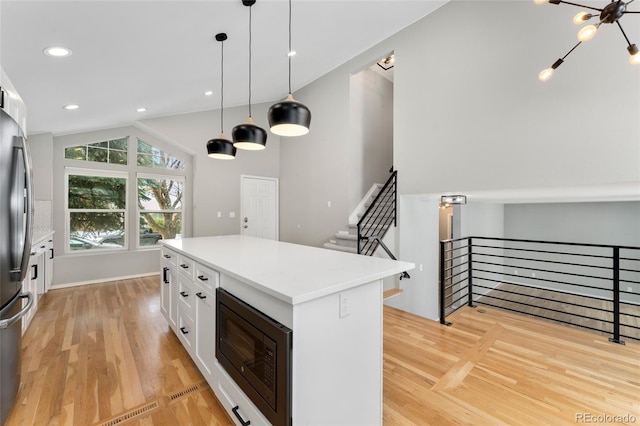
<point>164,275</point>
<point>184,266</point>
<point>52,253</point>
<point>239,417</point>
<point>184,330</point>
<point>201,296</point>
<point>166,256</point>
<point>35,272</point>
<point>203,278</point>
<point>184,294</point>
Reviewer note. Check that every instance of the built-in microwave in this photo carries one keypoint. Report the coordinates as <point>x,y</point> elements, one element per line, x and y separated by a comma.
<point>256,352</point>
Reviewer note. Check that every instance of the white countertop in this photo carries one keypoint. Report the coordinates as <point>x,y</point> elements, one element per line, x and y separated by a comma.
<point>39,235</point>
<point>290,272</point>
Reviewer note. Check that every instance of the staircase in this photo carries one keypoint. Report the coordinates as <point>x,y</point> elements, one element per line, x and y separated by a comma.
<point>369,223</point>
<point>347,240</point>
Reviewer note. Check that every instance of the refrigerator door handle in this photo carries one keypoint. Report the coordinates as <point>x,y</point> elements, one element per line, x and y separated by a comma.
<point>19,271</point>
<point>6,323</point>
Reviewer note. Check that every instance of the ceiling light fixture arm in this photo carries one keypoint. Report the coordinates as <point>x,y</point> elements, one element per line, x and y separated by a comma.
<point>290,51</point>
<point>574,4</point>
<point>249,3</point>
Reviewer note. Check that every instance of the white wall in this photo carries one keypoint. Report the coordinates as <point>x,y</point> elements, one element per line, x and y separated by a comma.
<point>216,183</point>
<point>469,105</point>
<point>370,142</point>
<point>89,267</point>
<point>418,229</point>
<point>41,150</point>
<point>612,223</point>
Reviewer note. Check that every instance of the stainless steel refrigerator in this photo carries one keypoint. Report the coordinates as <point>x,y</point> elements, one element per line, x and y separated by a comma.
<point>16,221</point>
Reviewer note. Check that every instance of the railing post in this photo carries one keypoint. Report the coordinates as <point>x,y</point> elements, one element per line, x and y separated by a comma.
<point>470,273</point>
<point>443,321</point>
<point>395,198</point>
<point>616,297</point>
<point>359,239</point>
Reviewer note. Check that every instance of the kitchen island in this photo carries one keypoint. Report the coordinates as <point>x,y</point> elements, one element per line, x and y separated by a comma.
<point>332,302</point>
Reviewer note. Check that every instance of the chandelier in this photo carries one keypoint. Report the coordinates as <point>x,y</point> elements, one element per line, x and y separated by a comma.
<point>609,14</point>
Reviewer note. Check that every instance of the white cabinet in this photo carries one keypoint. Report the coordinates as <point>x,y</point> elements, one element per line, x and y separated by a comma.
<point>188,304</point>
<point>31,285</point>
<point>49,254</point>
<point>168,286</point>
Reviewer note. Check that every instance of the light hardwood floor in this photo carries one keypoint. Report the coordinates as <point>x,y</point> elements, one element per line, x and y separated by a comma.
<point>104,355</point>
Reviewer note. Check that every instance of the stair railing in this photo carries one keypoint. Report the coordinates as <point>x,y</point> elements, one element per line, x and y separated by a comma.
<point>592,286</point>
<point>378,217</point>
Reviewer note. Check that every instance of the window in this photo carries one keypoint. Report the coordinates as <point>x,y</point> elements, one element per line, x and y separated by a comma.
<point>96,209</point>
<point>159,207</point>
<point>112,151</point>
<point>120,204</point>
<point>150,156</point>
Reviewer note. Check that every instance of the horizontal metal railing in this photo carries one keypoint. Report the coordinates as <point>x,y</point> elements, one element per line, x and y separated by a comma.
<point>592,286</point>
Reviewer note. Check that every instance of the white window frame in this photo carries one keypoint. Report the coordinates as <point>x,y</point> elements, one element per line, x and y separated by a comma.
<point>67,212</point>
<point>159,176</point>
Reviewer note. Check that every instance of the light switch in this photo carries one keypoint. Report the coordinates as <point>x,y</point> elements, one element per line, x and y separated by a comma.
<point>232,214</point>
<point>219,214</point>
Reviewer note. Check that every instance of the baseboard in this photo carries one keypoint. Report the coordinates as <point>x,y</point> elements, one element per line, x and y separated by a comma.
<point>103,280</point>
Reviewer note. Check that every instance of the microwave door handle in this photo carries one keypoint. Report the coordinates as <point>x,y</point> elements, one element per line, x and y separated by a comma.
<point>22,204</point>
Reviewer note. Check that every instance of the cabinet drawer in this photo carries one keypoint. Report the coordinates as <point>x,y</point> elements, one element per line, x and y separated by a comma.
<point>186,330</point>
<point>230,395</point>
<point>186,296</point>
<point>169,256</point>
<point>186,266</point>
<point>207,277</point>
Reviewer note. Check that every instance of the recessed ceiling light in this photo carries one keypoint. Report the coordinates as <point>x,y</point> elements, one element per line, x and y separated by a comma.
<point>141,109</point>
<point>57,51</point>
<point>71,107</point>
<point>208,93</point>
<point>292,53</point>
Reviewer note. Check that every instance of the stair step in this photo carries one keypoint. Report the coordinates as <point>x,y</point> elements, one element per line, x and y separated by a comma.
<point>391,293</point>
<point>332,246</point>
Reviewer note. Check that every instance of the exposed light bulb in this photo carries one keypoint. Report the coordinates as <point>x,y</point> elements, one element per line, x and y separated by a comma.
<point>292,53</point>
<point>540,1</point>
<point>587,33</point>
<point>545,74</point>
<point>581,17</point>
<point>634,59</point>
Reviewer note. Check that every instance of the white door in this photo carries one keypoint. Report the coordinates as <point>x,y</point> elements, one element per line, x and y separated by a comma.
<point>259,207</point>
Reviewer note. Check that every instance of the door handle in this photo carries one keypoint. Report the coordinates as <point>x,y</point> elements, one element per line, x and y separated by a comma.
<point>184,330</point>
<point>22,248</point>
<point>201,296</point>
<point>52,254</point>
<point>164,275</point>
<point>245,226</point>
<point>35,272</point>
<point>246,219</point>
<point>184,294</point>
<point>203,278</point>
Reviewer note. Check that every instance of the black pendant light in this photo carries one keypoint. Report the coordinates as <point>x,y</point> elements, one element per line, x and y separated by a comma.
<point>289,117</point>
<point>247,135</point>
<point>221,148</point>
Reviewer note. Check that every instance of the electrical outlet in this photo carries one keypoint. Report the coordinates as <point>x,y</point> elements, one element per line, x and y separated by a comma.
<point>345,305</point>
<point>219,214</point>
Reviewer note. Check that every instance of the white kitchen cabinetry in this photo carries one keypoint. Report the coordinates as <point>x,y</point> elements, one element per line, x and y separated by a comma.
<point>331,301</point>
<point>188,304</point>
<point>169,285</point>
<point>49,254</point>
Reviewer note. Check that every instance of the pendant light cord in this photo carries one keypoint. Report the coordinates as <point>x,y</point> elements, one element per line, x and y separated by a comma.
<point>290,51</point>
<point>250,7</point>
<point>222,87</point>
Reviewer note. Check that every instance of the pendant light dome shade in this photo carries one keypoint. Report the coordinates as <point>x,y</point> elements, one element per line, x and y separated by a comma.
<point>249,136</point>
<point>289,118</point>
<point>221,148</point>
